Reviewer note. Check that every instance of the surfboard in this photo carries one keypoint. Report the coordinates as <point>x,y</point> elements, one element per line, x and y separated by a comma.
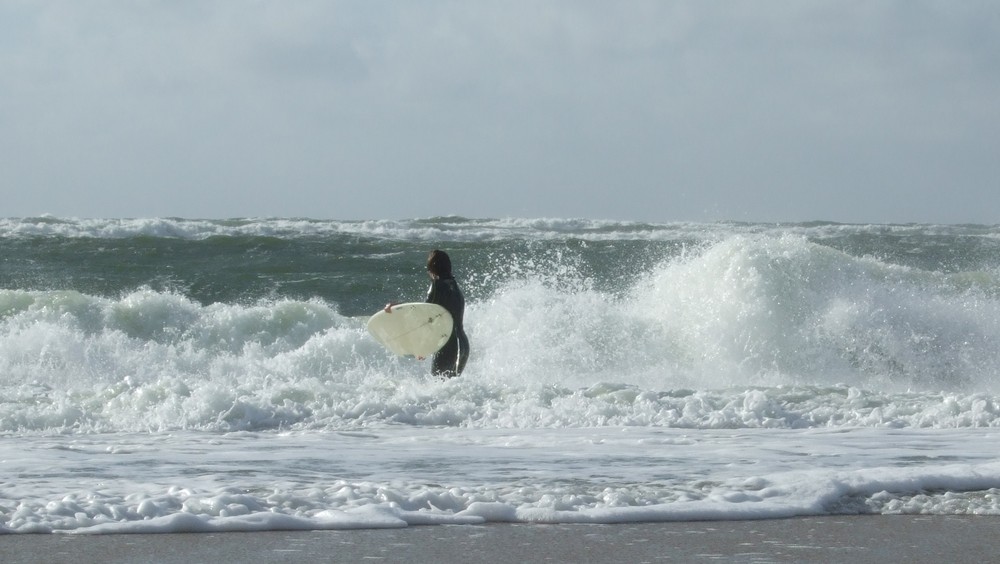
<point>417,329</point>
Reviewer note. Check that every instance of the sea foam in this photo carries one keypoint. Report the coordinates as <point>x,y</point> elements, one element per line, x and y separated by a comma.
<point>751,332</point>
<point>152,382</point>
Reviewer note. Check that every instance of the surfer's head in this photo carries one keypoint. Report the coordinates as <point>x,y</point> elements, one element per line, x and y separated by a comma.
<point>438,264</point>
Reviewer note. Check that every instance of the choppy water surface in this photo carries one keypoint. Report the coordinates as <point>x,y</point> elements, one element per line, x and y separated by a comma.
<point>175,374</point>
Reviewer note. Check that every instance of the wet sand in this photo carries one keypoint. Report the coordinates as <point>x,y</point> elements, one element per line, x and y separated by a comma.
<point>856,539</point>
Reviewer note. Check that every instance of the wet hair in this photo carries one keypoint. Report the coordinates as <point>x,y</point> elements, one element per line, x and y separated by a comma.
<point>439,264</point>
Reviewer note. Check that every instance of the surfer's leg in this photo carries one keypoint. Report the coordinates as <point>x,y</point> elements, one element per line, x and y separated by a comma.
<point>445,360</point>
<point>463,351</point>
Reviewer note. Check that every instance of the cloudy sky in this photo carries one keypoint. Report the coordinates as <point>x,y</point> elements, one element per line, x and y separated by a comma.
<point>798,110</point>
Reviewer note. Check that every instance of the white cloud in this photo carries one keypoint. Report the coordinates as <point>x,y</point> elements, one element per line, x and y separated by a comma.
<point>852,111</point>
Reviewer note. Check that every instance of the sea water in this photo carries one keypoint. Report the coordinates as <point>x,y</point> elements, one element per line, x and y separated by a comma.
<point>168,375</point>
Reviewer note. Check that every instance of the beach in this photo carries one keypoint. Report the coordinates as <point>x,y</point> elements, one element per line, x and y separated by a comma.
<point>858,539</point>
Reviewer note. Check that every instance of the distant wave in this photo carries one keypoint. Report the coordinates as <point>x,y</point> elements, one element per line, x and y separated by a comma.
<point>451,228</point>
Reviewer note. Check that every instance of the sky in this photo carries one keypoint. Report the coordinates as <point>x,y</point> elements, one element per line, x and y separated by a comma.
<point>871,111</point>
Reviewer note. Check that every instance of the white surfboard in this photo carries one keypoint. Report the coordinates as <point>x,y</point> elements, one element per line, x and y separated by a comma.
<point>418,329</point>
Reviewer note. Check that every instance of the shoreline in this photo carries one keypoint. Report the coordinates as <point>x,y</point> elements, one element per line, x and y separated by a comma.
<point>859,539</point>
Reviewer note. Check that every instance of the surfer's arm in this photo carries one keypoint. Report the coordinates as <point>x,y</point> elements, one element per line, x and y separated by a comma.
<point>432,293</point>
<point>388,306</point>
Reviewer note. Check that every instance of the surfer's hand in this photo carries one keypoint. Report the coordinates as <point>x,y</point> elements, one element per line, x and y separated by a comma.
<point>388,307</point>
<point>420,358</point>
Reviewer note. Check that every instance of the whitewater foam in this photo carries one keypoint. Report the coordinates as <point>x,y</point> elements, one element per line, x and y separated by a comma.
<point>721,338</point>
<point>398,477</point>
<point>175,375</point>
<point>460,229</point>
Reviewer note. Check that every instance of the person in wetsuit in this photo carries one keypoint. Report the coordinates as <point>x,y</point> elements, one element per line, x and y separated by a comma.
<point>450,360</point>
<point>444,291</point>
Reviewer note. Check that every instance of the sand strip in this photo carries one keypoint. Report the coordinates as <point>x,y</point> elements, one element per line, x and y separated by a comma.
<point>857,539</point>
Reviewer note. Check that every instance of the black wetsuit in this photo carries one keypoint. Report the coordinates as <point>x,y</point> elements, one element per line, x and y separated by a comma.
<point>451,359</point>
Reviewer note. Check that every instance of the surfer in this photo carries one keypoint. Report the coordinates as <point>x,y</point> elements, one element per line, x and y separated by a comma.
<point>450,360</point>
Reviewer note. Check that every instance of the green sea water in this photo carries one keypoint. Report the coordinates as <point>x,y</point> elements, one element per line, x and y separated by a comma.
<point>359,265</point>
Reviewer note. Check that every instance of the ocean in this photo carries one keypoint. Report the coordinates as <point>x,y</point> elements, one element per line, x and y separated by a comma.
<point>184,375</point>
